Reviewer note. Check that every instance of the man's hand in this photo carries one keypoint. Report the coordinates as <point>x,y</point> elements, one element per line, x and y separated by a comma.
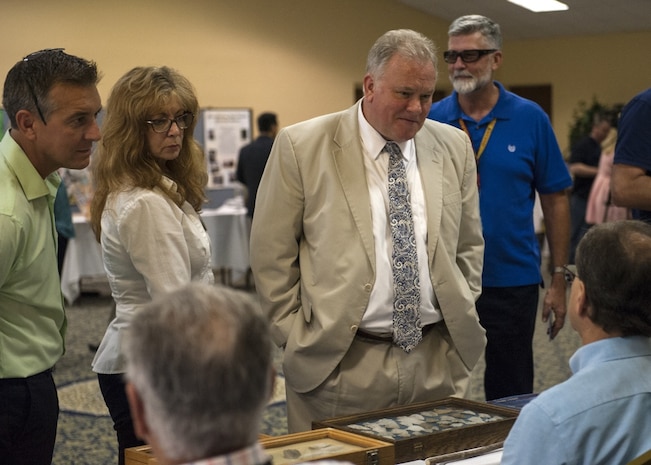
<point>554,308</point>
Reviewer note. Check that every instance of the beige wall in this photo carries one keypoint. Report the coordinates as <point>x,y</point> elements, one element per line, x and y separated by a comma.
<point>612,68</point>
<point>300,58</point>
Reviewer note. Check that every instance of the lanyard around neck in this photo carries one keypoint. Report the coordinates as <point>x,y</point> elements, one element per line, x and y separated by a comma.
<point>484,140</point>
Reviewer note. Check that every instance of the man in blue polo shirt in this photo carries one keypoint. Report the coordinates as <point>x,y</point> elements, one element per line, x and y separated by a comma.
<point>517,156</point>
<point>631,178</point>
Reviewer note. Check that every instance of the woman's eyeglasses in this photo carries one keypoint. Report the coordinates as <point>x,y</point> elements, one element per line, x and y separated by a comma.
<point>161,125</point>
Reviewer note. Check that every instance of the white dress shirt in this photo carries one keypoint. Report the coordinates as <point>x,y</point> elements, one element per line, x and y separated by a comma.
<point>378,318</point>
<point>150,246</point>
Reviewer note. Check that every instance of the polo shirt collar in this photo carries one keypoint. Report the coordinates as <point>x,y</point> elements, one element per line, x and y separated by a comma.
<point>28,177</point>
<point>501,110</point>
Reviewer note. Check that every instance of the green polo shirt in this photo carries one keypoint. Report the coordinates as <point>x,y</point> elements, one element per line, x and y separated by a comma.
<point>32,318</point>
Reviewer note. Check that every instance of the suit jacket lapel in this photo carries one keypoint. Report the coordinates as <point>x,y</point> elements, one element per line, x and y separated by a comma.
<point>431,173</point>
<point>348,153</point>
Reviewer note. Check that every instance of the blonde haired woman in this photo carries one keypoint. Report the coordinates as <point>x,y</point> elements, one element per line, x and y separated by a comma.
<point>149,177</point>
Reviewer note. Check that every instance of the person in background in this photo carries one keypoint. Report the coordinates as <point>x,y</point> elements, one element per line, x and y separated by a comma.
<point>253,158</point>
<point>366,246</point>
<point>600,207</point>
<point>63,221</point>
<point>583,164</point>
<point>631,178</point>
<point>600,415</point>
<point>517,156</point>
<point>149,175</point>
<point>52,101</point>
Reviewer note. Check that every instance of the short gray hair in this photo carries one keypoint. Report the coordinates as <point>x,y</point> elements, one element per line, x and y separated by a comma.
<point>407,43</point>
<point>200,359</point>
<point>470,24</point>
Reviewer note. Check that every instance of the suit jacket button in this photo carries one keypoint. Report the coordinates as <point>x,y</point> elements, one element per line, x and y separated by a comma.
<point>353,328</point>
<point>368,287</point>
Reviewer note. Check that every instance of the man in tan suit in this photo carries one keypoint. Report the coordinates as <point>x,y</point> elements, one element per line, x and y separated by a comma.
<point>322,245</point>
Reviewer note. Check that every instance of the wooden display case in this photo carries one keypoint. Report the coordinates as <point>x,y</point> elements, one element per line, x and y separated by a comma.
<point>429,429</point>
<point>141,455</point>
<point>321,444</point>
<point>328,444</point>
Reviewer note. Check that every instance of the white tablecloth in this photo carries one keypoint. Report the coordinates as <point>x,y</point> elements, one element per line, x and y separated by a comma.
<point>83,259</point>
<point>227,227</point>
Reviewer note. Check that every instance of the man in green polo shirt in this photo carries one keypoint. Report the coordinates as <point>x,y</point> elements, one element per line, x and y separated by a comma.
<point>52,102</point>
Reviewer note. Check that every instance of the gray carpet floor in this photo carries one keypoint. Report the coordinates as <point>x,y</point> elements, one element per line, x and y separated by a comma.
<point>86,436</point>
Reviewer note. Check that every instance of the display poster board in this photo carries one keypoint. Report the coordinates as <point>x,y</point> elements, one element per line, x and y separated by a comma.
<point>225,132</point>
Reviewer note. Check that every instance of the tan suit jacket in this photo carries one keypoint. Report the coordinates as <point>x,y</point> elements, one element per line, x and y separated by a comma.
<point>312,246</point>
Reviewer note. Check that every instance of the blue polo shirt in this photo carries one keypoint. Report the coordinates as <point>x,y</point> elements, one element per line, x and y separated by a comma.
<point>521,157</point>
<point>634,139</point>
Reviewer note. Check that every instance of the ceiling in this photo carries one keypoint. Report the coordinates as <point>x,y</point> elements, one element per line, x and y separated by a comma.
<point>584,17</point>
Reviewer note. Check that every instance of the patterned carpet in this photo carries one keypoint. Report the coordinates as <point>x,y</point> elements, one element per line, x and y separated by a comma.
<point>85,434</point>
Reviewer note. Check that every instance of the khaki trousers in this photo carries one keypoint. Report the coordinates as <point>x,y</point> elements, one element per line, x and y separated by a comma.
<point>375,375</point>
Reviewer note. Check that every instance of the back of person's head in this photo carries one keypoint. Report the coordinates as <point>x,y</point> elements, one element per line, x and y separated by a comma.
<point>29,81</point>
<point>469,24</point>
<point>601,125</point>
<point>613,261</point>
<point>266,122</point>
<point>200,359</point>
<point>601,117</point>
<point>405,42</point>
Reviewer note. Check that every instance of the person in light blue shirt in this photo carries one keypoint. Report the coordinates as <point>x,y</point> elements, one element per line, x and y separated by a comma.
<point>600,415</point>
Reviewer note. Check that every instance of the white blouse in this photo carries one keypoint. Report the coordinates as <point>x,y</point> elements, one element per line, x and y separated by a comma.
<point>150,246</point>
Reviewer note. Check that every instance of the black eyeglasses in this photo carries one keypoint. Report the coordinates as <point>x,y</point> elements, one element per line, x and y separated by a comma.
<point>31,57</point>
<point>161,125</point>
<point>569,273</point>
<point>467,56</point>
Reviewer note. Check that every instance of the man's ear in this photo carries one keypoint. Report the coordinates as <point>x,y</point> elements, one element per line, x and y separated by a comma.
<point>369,86</point>
<point>25,121</point>
<point>496,60</point>
<point>137,408</point>
<point>582,300</point>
